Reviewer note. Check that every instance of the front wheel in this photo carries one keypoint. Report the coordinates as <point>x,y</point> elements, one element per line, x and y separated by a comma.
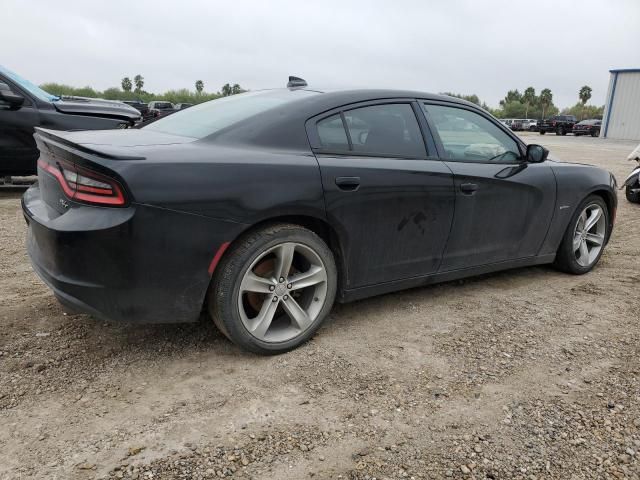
<point>542,132</point>
<point>585,237</point>
<point>273,289</point>
<point>632,192</point>
<point>595,133</point>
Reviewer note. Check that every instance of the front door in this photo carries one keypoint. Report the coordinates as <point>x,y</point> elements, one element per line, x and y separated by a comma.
<point>503,205</point>
<point>18,152</point>
<point>388,195</point>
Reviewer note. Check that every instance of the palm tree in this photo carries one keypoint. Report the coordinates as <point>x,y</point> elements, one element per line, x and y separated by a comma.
<point>139,81</point>
<point>126,84</point>
<point>199,86</point>
<point>528,98</point>
<point>584,94</point>
<point>546,99</point>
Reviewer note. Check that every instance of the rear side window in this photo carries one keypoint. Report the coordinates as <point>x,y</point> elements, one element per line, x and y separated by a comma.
<point>379,130</point>
<point>332,134</point>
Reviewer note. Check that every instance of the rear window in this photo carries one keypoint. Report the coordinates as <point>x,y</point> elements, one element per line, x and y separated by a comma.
<point>210,117</point>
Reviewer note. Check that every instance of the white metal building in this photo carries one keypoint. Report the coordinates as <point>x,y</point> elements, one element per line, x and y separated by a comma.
<point>622,108</point>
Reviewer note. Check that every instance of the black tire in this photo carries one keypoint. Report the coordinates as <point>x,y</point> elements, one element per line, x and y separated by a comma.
<point>631,196</point>
<point>542,132</point>
<point>565,257</point>
<point>225,286</point>
<point>595,133</point>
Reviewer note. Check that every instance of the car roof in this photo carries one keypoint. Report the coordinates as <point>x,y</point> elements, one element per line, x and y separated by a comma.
<point>345,96</point>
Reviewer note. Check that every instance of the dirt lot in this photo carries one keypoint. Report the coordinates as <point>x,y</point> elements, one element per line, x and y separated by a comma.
<point>524,374</point>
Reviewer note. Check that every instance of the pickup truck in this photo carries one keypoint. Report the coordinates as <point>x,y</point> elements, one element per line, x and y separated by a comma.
<point>561,124</point>
<point>24,106</point>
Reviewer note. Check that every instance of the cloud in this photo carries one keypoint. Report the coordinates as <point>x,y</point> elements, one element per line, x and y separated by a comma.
<point>461,46</point>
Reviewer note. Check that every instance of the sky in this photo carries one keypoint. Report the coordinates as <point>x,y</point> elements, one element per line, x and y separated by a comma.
<point>484,47</point>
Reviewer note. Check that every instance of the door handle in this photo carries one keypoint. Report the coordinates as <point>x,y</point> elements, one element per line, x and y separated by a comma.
<point>348,184</point>
<point>469,188</point>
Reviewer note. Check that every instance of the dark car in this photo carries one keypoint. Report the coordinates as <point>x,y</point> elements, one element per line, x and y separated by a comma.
<point>263,207</point>
<point>141,106</point>
<point>24,106</point>
<point>561,124</point>
<point>182,106</point>
<point>161,109</point>
<point>587,127</point>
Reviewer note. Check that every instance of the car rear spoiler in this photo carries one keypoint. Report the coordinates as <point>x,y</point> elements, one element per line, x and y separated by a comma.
<point>58,137</point>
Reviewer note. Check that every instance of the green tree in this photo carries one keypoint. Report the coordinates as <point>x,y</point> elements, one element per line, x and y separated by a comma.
<point>226,90</point>
<point>199,86</point>
<point>139,81</point>
<point>528,99</point>
<point>236,89</point>
<point>546,100</point>
<point>584,94</point>
<point>126,84</point>
<point>512,96</point>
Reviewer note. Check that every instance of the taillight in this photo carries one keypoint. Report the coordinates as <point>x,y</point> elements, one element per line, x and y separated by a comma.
<point>85,185</point>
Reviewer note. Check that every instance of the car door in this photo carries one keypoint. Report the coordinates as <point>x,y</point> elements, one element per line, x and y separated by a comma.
<point>18,152</point>
<point>503,205</point>
<point>386,193</point>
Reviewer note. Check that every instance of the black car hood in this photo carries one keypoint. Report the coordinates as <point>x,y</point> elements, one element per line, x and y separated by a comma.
<point>96,107</point>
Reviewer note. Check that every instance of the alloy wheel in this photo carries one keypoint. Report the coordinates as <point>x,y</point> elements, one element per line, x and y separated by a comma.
<point>282,293</point>
<point>589,235</point>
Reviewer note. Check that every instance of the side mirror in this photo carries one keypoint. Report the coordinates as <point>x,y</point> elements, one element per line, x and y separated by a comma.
<point>15,100</point>
<point>536,153</point>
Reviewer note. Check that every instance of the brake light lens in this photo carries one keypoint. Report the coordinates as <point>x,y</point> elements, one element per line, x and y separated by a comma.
<point>85,185</point>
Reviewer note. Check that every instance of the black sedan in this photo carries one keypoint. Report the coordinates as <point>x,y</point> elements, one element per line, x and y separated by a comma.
<point>262,208</point>
<point>587,127</point>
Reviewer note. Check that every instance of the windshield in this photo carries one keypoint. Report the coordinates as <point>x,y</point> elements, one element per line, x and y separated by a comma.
<point>210,117</point>
<point>28,86</point>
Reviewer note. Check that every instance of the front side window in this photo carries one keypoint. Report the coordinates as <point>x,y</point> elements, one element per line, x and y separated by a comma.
<point>469,137</point>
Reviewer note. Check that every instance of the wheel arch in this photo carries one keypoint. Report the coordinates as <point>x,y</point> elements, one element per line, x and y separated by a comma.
<point>319,226</point>
<point>611,203</point>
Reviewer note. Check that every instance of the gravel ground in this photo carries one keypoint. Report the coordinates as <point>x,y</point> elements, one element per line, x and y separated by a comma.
<point>525,374</point>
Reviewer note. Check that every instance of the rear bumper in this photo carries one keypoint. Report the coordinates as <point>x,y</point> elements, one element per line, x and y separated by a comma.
<point>138,264</point>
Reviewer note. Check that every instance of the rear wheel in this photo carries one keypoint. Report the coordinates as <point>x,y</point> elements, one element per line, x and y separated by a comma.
<point>595,133</point>
<point>542,132</point>
<point>560,131</point>
<point>632,193</point>
<point>583,242</point>
<point>273,289</point>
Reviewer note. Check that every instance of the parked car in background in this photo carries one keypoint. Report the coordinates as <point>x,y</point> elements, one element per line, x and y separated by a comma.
<point>530,124</point>
<point>24,106</point>
<point>516,125</point>
<point>251,207</point>
<point>561,124</point>
<point>141,106</point>
<point>587,127</point>
<point>160,109</point>
<point>182,106</point>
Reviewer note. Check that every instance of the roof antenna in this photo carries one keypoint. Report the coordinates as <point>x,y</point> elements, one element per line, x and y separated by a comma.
<point>296,82</point>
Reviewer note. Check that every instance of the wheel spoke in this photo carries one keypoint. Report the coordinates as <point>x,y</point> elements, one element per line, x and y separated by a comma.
<point>263,320</point>
<point>584,252</point>
<point>595,238</point>
<point>284,255</point>
<point>253,283</point>
<point>577,240</point>
<point>596,213</point>
<point>297,314</point>
<point>313,276</point>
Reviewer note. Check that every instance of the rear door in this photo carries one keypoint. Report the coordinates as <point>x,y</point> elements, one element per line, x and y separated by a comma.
<point>503,205</point>
<point>385,191</point>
